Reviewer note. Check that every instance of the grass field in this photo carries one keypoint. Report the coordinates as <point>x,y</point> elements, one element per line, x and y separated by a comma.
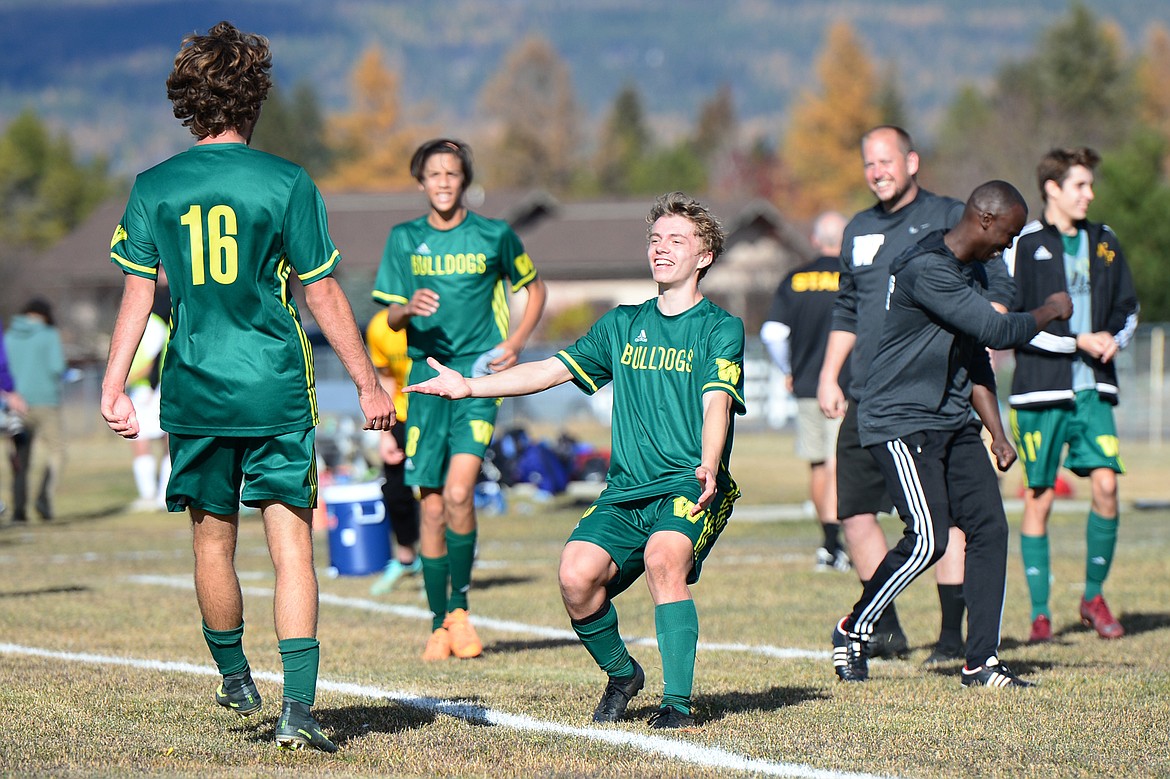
<point>103,670</point>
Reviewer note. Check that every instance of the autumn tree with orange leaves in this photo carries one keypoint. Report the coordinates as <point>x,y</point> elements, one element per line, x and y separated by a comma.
<point>371,142</point>
<point>821,150</point>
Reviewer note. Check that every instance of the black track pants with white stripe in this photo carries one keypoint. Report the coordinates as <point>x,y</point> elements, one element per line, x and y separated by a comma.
<point>938,478</point>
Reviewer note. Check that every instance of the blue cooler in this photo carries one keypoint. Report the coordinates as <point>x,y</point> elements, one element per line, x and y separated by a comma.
<point>359,530</point>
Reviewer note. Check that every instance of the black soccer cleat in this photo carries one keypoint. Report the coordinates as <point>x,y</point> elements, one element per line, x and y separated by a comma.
<point>669,718</point>
<point>238,693</point>
<point>944,653</point>
<point>849,655</point>
<point>993,673</point>
<point>619,691</point>
<point>891,645</point>
<point>296,729</point>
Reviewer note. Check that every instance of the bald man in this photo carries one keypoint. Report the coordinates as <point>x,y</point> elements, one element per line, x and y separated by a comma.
<point>795,335</point>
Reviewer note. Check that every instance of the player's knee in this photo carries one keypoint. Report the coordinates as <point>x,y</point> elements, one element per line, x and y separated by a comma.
<point>578,580</point>
<point>459,496</point>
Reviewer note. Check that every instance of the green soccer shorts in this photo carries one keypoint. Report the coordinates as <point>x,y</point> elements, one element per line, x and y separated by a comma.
<point>217,473</point>
<point>1088,429</point>
<point>440,428</point>
<point>622,530</point>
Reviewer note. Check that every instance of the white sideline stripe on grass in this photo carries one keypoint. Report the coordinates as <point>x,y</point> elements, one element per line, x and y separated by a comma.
<point>506,626</point>
<point>685,751</point>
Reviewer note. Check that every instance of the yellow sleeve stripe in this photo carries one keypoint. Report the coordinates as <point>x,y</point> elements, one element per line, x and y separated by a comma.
<point>383,297</point>
<point>576,369</point>
<point>320,268</point>
<point>729,389</point>
<point>125,263</point>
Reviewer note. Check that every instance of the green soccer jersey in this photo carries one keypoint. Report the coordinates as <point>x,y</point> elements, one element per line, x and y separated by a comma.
<point>228,225</point>
<point>467,266</point>
<point>660,367</point>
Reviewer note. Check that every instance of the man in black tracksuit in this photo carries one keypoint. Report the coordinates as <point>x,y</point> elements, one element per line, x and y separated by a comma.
<point>915,419</point>
<point>903,215</point>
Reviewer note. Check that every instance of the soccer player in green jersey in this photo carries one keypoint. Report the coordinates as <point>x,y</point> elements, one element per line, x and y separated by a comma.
<point>676,363</point>
<point>229,225</point>
<point>445,277</point>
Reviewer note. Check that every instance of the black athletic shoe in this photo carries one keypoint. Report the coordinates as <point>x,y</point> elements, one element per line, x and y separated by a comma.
<point>238,693</point>
<point>619,691</point>
<point>296,729</point>
<point>849,655</point>
<point>942,654</point>
<point>993,673</point>
<point>669,718</point>
<point>890,645</point>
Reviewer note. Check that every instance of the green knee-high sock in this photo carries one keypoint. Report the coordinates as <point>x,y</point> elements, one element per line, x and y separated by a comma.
<point>461,553</point>
<point>599,634</point>
<point>1100,542</point>
<point>1034,550</point>
<point>227,649</point>
<point>677,625</point>
<point>300,658</point>
<point>436,577</point>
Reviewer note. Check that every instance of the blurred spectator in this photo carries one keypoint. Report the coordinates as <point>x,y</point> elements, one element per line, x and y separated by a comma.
<point>37,362</point>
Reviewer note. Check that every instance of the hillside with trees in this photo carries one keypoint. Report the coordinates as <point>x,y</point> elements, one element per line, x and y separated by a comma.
<point>760,100</point>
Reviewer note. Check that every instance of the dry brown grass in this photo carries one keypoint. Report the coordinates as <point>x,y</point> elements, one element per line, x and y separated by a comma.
<point>74,586</point>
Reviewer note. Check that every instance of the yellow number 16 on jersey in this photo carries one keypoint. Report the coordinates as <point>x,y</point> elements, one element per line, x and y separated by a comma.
<point>224,261</point>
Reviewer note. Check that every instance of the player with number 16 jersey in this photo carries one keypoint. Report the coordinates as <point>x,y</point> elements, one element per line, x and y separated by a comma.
<point>228,238</point>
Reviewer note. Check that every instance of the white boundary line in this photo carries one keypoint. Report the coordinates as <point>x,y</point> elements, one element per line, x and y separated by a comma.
<point>507,626</point>
<point>695,754</point>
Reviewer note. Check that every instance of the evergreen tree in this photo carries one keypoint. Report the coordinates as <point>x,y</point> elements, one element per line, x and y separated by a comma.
<point>1133,198</point>
<point>625,141</point>
<point>294,129</point>
<point>1076,90</point>
<point>44,190</point>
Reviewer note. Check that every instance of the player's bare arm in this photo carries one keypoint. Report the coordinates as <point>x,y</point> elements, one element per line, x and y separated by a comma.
<point>334,316</point>
<point>829,394</point>
<point>523,379</point>
<point>716,418</point>
<point>117,410</point>
<point>536,294</point>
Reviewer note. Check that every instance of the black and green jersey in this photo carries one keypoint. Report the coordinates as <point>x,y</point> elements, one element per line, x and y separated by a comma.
<point>467,266</point>
<point>228,225</point>
<point>660,367</point>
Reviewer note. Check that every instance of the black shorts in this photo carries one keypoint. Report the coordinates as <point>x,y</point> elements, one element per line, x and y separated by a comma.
<point>861,489</point>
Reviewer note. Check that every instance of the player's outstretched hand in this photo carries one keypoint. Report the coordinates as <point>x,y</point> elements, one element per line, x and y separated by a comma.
<point>448,384</point>
<point>118,411</point>
<point>707,479</point>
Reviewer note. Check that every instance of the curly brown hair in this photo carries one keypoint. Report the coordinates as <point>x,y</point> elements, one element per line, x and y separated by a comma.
<point>707,228</point>
<point>220,80</point>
